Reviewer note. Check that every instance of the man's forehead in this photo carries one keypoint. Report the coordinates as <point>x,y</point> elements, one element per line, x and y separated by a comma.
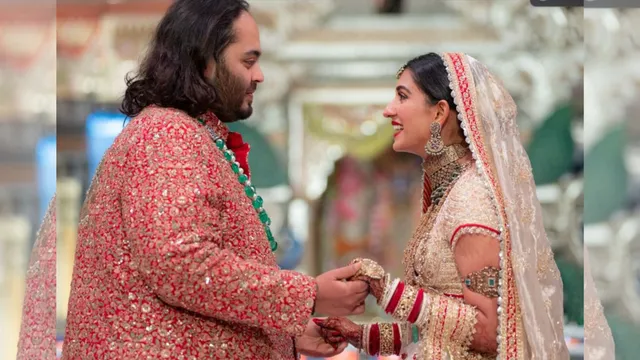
<point>246,27</point>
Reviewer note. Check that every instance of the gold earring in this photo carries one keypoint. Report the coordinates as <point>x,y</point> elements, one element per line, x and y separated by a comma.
<point>435,145</point>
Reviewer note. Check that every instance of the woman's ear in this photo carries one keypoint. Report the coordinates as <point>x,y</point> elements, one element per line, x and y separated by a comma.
<point>442,112</point>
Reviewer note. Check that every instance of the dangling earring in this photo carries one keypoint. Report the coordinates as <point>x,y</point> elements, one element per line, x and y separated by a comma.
<point>435,145</point>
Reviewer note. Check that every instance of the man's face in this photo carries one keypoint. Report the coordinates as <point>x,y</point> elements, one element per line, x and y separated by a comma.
<point>238,73</point>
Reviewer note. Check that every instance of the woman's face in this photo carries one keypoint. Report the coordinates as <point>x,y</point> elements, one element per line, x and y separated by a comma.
<point>411,116</point>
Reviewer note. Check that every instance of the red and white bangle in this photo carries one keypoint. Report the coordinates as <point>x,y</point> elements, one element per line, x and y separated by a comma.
<point>423,311</point>
<point>366,329</point>
<point>382,339</point>
<point>407,303</point>
<point>389,291</point>
<point>374,340</point>
<point>397,339</point>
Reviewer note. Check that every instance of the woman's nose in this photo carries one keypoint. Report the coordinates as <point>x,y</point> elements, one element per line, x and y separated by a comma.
<point>388,112</point>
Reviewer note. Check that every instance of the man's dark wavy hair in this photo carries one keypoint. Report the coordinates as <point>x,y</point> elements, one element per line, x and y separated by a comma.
<point>172,74</point>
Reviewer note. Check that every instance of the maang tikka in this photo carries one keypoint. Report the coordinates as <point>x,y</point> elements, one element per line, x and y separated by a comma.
<point>435,145</point>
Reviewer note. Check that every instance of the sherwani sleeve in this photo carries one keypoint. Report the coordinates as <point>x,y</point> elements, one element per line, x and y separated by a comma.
<point>38,328</point>
<point>176,234</point>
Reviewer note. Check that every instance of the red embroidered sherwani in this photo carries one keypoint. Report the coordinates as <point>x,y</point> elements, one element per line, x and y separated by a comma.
<point>38,328</point>
<point>172,261</point>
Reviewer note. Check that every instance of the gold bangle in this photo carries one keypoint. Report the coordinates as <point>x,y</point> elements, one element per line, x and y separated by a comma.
<point>406,303</point>
<point>386,339</point>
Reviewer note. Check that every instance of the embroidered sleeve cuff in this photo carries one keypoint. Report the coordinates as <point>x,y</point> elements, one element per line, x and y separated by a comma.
<point>468,229</point>
<point>298,309</point>
<point>449,319</point>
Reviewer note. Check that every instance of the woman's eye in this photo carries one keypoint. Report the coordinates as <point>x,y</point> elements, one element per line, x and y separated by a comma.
<point>402,96</point>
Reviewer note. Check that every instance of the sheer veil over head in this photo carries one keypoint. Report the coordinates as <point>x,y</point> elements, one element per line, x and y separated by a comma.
<point>598,340</point>
<point>530,283</point>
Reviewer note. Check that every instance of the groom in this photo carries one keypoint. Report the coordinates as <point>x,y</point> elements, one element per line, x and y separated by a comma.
<point>175,255</point>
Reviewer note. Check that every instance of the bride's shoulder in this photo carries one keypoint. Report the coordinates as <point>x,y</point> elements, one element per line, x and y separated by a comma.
<point>470,186</point>
<point>470,200</point>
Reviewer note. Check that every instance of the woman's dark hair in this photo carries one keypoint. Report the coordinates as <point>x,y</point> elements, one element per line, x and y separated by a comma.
<point>191,33</point>
<point>430,74</point>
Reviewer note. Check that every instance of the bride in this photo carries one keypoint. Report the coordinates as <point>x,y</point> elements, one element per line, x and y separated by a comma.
<point>480,280</point>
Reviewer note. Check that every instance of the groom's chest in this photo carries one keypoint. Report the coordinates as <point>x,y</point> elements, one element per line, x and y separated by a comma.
<point>242,230</point>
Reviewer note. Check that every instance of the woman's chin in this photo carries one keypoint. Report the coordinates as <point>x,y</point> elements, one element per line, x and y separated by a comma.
<point>397,146</point>
<point>400,147</point>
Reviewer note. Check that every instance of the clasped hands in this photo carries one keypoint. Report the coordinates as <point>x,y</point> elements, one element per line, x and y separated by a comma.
<point>339,298</point>
<point>339,330</point>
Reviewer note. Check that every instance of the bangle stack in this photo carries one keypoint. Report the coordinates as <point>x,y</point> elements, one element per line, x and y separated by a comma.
<point>405,303</point>
<point>383,339</point>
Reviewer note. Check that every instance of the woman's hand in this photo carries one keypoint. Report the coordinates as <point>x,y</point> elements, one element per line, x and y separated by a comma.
<point>373,274</point>
<point>337,329</point>
<point>312,343</point>
<point>376,288</point>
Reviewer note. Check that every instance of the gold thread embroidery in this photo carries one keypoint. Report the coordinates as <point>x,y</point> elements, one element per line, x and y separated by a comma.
<point>408,299</point>
<point>386,339</point>
<point>484,282</point>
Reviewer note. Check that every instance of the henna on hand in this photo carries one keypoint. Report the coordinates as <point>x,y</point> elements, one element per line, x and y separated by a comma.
<point>376,288</point>
<point>332,336</point>
<point>335,329</point>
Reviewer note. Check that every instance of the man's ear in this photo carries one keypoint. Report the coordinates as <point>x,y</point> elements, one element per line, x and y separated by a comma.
<point>210,70</point>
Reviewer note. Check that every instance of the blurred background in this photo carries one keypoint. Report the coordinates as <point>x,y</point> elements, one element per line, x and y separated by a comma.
<point>322,155</point>
<point>27,147</point>
<point>612,168</point>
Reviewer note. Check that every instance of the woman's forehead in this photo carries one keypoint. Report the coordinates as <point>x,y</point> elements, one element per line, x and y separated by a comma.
<point>406,80</point>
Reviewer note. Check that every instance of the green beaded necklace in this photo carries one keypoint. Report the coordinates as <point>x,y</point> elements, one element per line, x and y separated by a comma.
<point>249,189</point>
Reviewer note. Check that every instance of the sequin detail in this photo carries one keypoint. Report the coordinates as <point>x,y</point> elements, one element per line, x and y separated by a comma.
<point>38,329</point>
<point>172,261</point>
<point>243,179</point>
<point>430,263</point>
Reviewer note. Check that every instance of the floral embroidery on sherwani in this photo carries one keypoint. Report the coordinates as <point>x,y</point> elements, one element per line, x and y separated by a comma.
<point>38,329</point>
<point>172,260</point>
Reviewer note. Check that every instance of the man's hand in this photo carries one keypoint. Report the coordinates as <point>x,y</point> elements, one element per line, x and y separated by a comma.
<point>312,344</point>
<point>336,297</point>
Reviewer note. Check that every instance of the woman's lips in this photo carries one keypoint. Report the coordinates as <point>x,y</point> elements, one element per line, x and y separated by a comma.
<point>397,127</point>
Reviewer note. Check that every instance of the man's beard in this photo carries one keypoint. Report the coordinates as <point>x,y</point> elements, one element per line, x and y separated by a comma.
<point>231,92</point>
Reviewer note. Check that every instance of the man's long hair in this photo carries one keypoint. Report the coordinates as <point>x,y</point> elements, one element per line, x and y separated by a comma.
<point>191,33</point>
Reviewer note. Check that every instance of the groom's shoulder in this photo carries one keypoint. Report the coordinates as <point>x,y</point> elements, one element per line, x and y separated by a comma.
<point>170,117</point>
<point>166,121</point>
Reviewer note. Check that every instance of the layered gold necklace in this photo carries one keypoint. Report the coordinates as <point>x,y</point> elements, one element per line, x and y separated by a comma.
<point>441,171</point>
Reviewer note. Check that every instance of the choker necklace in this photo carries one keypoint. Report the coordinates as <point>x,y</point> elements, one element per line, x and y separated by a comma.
<point>439,172</point>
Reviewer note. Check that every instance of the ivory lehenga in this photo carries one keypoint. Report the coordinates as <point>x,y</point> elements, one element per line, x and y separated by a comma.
<point>482,187</point>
